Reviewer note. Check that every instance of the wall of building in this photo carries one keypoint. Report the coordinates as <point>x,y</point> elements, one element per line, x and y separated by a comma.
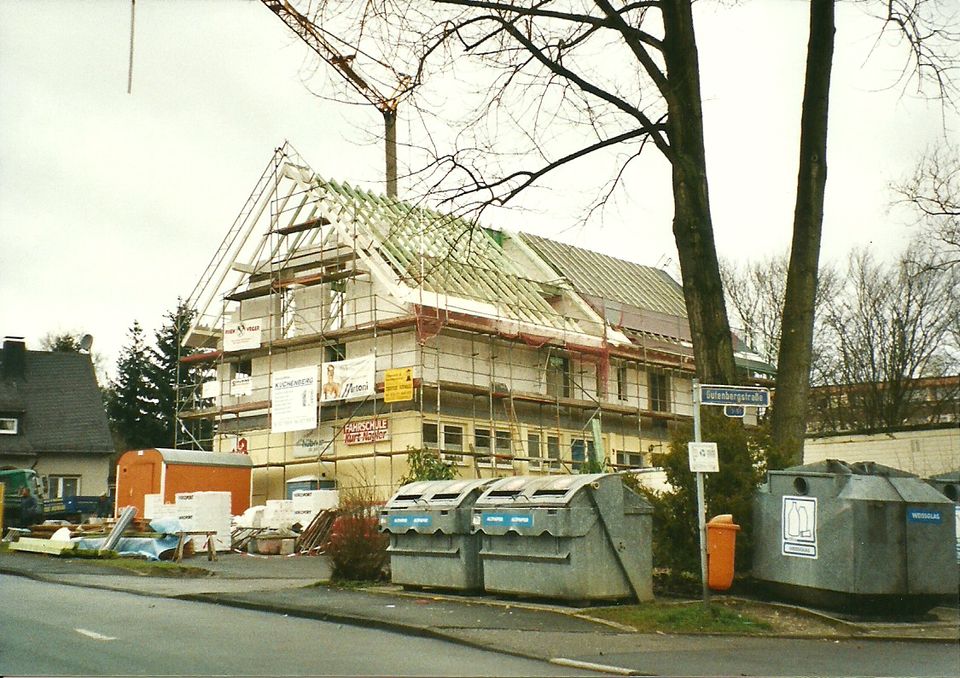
<point>93,470</point>
<point>924,453</point>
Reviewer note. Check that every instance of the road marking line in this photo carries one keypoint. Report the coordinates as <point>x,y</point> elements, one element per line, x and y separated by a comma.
<point>591,666</point>
<point>94,634</point>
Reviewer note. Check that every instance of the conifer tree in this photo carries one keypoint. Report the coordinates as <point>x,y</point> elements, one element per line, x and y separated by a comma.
<point>131,398</point>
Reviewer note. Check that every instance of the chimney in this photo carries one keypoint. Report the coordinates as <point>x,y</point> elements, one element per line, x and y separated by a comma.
<point>14,359</point>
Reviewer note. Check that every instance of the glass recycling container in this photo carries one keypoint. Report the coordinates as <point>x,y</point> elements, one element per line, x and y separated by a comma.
<point>854,536</point>
<point>577,537</point>
<point>431,540</point>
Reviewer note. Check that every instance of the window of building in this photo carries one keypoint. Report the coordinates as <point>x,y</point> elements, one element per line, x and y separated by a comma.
<point>453,443</point>
<point>622,381</point>
<point>335,309</point>
<point>241,367</point>
<point>9,426</point>
<point>452,438</point>
<point>553,451</point>
<point>430,438</point>
<point>503,442</point>
<point>579,448</point>
<point>631,459</point>
<point>533,449</point>
<point>62,486</point>
<point>558,376</point>
<point>334,352</point>
<point>658,390</point>
<point>481,445</point>
<point>448,438</point>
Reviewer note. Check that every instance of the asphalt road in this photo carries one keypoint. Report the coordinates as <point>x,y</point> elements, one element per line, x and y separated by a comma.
<point>51,629</point>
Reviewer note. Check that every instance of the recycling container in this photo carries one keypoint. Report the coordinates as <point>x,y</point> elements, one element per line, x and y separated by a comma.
<point>948,484</point>
<point>579,537</point>
<point>431,541</point>
<point>721,549</point>
<point>850,536</point>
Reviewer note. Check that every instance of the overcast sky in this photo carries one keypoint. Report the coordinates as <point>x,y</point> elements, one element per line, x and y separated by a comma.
<point>112,204</point>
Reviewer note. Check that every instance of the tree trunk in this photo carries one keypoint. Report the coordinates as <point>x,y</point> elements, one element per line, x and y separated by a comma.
<point>692,225</point>
<point>796,334</point>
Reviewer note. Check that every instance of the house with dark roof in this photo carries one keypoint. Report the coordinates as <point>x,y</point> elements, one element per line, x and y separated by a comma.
<point>346,329</point>
<point>52,419</point>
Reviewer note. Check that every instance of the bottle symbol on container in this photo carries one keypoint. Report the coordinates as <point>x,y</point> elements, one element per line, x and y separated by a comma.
<point>793,521</point>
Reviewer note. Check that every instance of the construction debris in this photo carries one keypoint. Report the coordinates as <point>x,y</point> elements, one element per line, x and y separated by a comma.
<point>316,535</point>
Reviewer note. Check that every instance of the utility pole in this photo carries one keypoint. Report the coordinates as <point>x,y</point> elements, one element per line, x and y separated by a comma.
<point>344,64</point>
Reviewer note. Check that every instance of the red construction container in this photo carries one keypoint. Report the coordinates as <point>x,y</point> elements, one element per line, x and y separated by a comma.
<point>167,472</point>
<point>721,549</point>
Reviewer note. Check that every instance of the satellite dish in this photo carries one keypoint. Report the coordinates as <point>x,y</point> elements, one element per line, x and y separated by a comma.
<point>86,342</point>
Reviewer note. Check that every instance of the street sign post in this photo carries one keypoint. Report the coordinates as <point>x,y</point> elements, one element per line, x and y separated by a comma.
<point>703,456</point>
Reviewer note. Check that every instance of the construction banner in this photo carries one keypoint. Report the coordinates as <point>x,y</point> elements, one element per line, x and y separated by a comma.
<point>398,385</point>
<point>349,379</point>
<point>293,400</point>
<point>242,336</point>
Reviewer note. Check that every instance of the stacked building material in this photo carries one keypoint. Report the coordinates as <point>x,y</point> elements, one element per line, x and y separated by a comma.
<point>278,514</point>
<point>206,511</point>
<point>308,503</point>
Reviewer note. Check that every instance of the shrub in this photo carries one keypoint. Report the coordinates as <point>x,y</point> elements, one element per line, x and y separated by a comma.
<point>357,548</point>
<point>676,539</point>
<point>427,465</point>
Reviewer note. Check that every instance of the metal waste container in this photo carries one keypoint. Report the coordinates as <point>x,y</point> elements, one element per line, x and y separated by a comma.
<point>948,484</point>
<point>580,537</point>
<point>854,536</point>
<point>431,542</point>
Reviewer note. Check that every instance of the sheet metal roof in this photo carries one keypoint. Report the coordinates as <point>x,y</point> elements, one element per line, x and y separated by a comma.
<point>612,279</point>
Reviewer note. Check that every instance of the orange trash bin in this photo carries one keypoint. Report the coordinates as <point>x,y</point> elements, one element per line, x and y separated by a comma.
<point>721,548</point>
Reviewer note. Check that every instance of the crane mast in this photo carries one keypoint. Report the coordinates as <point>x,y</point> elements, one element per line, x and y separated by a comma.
<point>387,105</point>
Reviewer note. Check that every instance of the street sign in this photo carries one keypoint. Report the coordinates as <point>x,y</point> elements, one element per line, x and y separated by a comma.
<point>734,411</point>
<point>703,457</point>
<point>754,396</point>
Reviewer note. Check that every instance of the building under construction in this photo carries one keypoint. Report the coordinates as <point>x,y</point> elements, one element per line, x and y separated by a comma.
<point>346,329</point>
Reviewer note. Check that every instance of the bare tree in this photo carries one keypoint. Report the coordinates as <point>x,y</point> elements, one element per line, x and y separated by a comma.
<point>889,328</point>
<point>755,300</point>
<point>932,193</point>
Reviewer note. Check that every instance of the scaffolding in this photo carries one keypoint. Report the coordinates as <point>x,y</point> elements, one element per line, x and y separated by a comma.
<point>511,365</point>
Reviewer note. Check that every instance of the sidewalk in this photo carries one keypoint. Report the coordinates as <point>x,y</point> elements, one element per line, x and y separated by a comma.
<point>287,585</point>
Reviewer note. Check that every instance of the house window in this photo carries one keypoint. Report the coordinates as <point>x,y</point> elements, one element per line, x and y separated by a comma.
<point>452,438</point>
<point>335,310</point>
<point>558,376</point>
<point>658,391</point>
<point>553,451</point>
<point>579,448</point>
<point>334,352</point>
<point>621,382</point>
<point>533,449</point>
<point>481,444</point>
<point>502,442</point>
<point>63,486</point>
<point>631,459</point>
<point>453,443</point>
<point>9,426</point>
<point>430,438</point>
<point>244,367</point>
<point>445,437</point>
